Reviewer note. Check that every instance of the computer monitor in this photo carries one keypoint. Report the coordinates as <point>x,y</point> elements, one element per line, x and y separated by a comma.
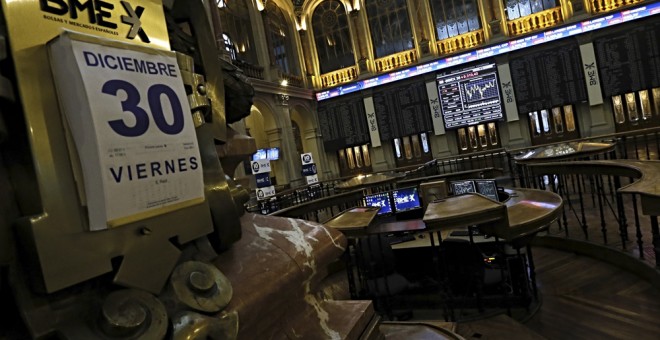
<point>462,187</point>
<point>487,187</point>
<point>381,200</point>
<point>273,154</point>
<point>406,199</point>
<point>431,191</point>
<point>260,155</point>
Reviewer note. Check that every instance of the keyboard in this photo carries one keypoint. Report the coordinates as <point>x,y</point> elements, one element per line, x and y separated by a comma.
<point>464,233</point>
<point>395,239</point>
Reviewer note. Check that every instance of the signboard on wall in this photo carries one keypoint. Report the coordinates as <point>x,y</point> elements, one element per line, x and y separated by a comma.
<point>402,109</point>
<point>548,77</point>
<point>260,166</point>
<point>630,60</point>
<point>469,95</point>
<point>343,123</point>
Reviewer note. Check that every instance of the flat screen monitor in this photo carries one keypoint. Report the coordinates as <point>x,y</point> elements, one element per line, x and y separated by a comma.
<point>462,187</point>
<point>273,154</point>
<point>487,187</point>
<point>431,191</point>
<point>469,95</point>
<point>260,155</point>
<point>381,200</point>
<point>406,199</point>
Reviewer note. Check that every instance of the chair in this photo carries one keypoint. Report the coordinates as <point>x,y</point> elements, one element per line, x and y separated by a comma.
<point>468,275</point>
<point>378,278</point>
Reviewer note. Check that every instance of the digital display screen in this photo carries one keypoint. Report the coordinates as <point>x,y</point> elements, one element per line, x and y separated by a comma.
<point>273,153</point>
<point>497,49</point>
<point>381,200</point>
<point>406,199</point>
<point>259,155</point>
<point>469,96</point>
<point>487,188</point>
<point>462,187</point>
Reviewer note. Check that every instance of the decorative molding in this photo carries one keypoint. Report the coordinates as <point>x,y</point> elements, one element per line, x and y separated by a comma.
<point>282,99</point>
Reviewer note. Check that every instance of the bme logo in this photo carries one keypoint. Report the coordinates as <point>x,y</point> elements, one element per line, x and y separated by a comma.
<point>98,13</point>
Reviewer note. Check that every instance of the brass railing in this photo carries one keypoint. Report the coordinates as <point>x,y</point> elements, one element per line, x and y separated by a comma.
<point>603,6</point>
<point>394,61</point>
<point>536,21</point>
<point>338,77</point>
<point>461,42</point>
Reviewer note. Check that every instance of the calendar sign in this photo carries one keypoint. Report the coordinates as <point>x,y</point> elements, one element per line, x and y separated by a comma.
<point>128,113</point>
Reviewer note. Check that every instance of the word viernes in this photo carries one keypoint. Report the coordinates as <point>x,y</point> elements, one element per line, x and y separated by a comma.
<point>129,64</point>
<point>153,169</point>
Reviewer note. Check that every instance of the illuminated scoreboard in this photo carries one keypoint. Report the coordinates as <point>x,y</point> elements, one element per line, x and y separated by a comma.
<point>470,95</point>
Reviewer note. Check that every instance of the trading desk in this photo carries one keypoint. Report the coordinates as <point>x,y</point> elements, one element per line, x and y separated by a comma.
<point>520,217</point>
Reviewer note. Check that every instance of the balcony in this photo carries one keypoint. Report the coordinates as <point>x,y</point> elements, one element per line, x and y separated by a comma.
<point>394,61</point>
<point>535,21</point>
<point>252,71</point>
<point>461,42</point>
<point>292,79</point>
<point>338,77</point>
<point>603,6</point>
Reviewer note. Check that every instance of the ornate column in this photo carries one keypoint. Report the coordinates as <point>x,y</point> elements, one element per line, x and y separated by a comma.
<point>289,166</point>
<point>424,27</point>
<point>358,33</point>
<point>307,56</point>
<point>314,144</point>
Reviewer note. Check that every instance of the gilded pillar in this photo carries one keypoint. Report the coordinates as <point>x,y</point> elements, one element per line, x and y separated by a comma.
<point>566,9</point>
<point>424,27</point>
<point>358,33</point>
<point>307,55</point>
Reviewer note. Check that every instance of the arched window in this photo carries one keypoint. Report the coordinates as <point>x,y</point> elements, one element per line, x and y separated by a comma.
<point>516,9</point>
<point>390,26</point>
<point>455,17</point>
<point>229,46</point>
<point>277,30</point>
<point>236,24</point>
<point>332,37</point>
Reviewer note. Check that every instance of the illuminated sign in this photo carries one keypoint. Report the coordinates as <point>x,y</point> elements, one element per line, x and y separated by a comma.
<point>469,96</point>
<point>512,45</point>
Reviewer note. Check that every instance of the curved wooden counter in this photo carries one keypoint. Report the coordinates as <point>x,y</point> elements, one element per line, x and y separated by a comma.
<point>523,214</point>
<point>647,174</point>
<point>564,151</point>
<point>366,180</point>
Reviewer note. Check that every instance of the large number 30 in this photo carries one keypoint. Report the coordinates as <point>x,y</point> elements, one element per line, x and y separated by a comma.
<point>131,104</point>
